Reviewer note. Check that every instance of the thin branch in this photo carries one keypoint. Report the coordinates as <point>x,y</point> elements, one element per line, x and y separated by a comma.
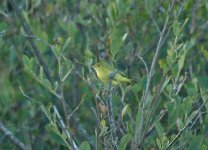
<point>153,19</point>
<point>152,127</point>
<point>76,108</point>
<point>110,113</point>
<point>180,85</point>
<point>151,110</point>
<point>183,129</point>
<point>63,105</point>
<point>80,130</point>
<point>139,129</point>
<point>62,124</point>
<point>97,127</point>
<point>164,113</point>
<point>200,115</point>
<point>159,45</point>
<point>38,39</point>
<point>145,64</point>
<point>65,129</point>
<point>35,50</point>
<point>9,135</point>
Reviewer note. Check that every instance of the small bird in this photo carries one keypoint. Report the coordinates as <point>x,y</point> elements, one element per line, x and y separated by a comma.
<point>105,72</point>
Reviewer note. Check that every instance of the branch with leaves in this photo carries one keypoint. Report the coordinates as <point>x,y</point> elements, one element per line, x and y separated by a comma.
<point>35,50</point>
<point>10,136</point>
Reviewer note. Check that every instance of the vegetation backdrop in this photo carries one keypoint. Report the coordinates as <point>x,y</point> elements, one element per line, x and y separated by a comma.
<point>50,97</point>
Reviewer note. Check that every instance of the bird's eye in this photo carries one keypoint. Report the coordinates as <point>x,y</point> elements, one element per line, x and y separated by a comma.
<point>98,65</point>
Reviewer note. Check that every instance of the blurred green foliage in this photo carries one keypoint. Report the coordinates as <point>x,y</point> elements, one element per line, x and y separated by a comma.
<point>72,36</point>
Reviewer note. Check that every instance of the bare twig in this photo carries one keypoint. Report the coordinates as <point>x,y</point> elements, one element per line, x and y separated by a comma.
<point>35,50</point>
<point>9,135</point>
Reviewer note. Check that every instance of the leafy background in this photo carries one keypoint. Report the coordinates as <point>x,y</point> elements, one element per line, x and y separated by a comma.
<point>169,113</point>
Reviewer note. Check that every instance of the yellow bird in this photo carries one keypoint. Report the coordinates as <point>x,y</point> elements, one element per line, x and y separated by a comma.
<point>105,72</point>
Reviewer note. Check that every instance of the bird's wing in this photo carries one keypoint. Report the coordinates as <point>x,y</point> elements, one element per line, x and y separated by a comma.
<point>120,77</point>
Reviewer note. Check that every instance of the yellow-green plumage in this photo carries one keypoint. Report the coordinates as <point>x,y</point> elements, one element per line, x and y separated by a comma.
<point>104,71</point>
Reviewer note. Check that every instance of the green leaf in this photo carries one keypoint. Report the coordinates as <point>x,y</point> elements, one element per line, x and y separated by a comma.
<point>112,11</point>
<point>187,105</point>
<point>55,86</point>
<point>181,62</point>
<point>68,67</point>
<point>124,37</point>
<point>163,64</point>
<point>176,28</point>
<point>150,4</point>
<point>55,134</point>
<point>123,6</point>
<point>68,64</point>
<point>173,116</point>
<point>204,52</point>
<point>46,83</point>
<point>66,44</point>
<point>3,26</point>
<point>85,146</point>
<point>116,41</point>
<point>88,54</point>
<point>203,81</point>
<point>29,66</point>
<point>159,144</point>
<point>206,5</point>
<point>165,83</point>
<point>43,36</point>
<point>139,117</point>
<point>124,141</point>
<point>124,110</point>
<point>191,116</point>
<point>180,124</point>
<point>191,89</point>
<point>188,45</point>
<point>104,129</point>
<point>204,147</point>
<point>47,113</point>
<point>159,128</point>
<point>195,143</point>
<point>72,29</point>
<point>26,62</point>
<point>41,73</point>
<point>56,51</point>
